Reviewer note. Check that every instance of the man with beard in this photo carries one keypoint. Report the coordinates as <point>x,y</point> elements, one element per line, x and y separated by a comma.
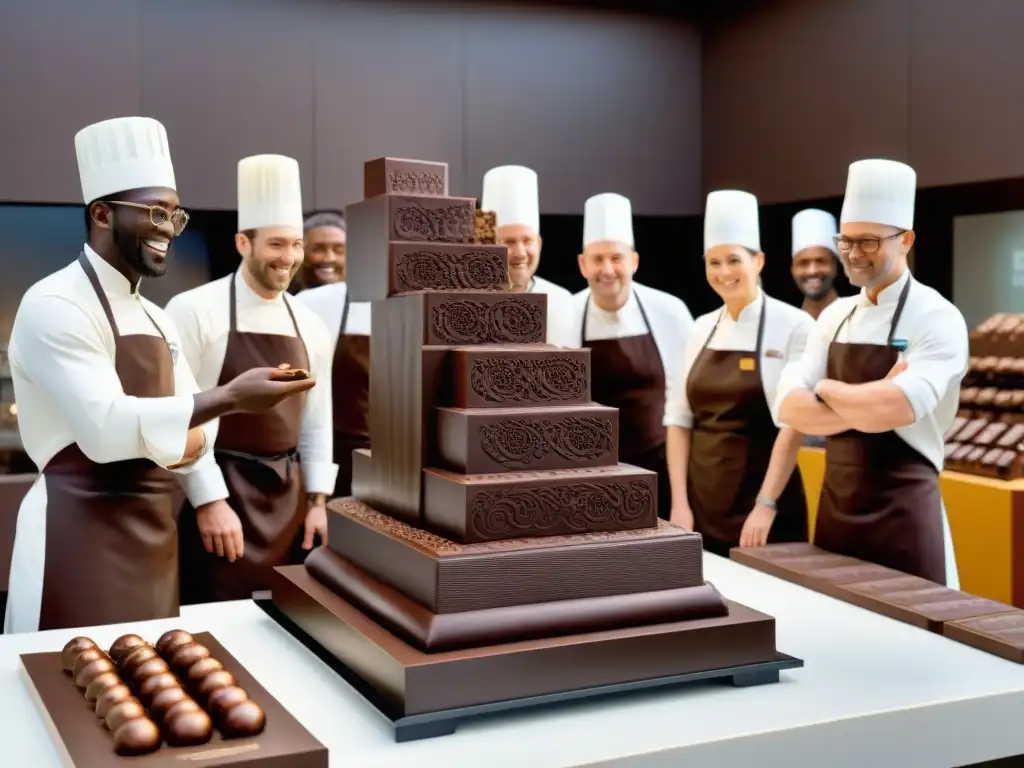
<point>636,336</point>
<point>242,321</point>
<point>324,262</point>
<point>880,378</point>
<point>814,259</point>
<point>510,192</point>
<point>106,404</point>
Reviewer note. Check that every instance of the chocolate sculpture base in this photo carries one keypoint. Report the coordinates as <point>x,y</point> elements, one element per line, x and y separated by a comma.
<point>85,743</point>
<point>426,694</point>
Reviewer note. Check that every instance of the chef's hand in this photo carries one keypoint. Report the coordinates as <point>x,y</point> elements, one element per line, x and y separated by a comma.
<point>316,523</point>
<point>221,530</point>
<point>195,447</point>
<point>756,526</point>
<point>254,391</point>
<point>896,370</point>
<point>682,516</point>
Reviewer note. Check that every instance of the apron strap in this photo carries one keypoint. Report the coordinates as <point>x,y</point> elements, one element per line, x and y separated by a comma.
<point>759,343</point>
<point>344,315</point>
<point>900,304</point>
<point>233,314</point>
<point>586,311</point>
<point>90,273</point>
<point>295,325</point>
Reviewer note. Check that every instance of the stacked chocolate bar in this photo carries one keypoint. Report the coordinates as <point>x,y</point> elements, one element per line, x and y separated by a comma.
<point>494,547</point>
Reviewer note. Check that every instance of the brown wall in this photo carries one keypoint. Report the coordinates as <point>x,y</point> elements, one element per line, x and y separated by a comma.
<point>593,102</point>
<point>797,90</point>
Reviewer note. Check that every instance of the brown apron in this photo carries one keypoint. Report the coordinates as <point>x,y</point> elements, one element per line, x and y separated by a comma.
<point>628,374</point>
<point>881,500</point>
<point>731,446</point>
<point>257,454</point>
<point>111,543</point>
<point>350,383</point>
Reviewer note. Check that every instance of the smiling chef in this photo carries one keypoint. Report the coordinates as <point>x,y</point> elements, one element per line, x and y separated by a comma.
<point>880,378</point>
<point>636,335</point>
<point>253,509</point>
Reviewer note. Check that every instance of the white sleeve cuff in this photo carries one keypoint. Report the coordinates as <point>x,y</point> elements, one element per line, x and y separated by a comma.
<point>684,420</point>
<point>319,477</point>
<point>163,424</point>
<point>204,482</point>
<point>919,393</point>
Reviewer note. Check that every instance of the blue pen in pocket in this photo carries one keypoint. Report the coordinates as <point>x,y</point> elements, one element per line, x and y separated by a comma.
<point>900,345</point>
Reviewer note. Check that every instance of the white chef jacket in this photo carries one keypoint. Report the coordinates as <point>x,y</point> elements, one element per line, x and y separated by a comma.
<point>328,303</point>
<point>202,316</point>
<point>559,300</point>
<point>67,390</point>
<point>937,356</point>
<point>670,324</point>
<point>785,336</point>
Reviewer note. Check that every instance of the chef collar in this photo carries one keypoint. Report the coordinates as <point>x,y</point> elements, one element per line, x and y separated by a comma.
<point>248,295</point>
<point>749,314</point>
<point>113,282</point>
<point>888,295</point>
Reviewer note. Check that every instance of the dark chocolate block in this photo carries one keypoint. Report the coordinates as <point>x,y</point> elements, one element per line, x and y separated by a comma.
<point>412,335</point>
<point>396,176</point>
<point>468,629</point>
<point>446,577</point>
<point>1012,437</point>
<point>373,224</point>
<point>1001,634</point>
<point>481,440</point>
<point>972,430</point>
<point>485,227</point>
<point>958,423</point>
<point>415,682</point>
<point>477,508</point>
<point>445,267</point>
<point>487,376</point>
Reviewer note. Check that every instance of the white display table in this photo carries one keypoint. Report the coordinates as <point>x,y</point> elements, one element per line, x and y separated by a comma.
<point>874,692</point>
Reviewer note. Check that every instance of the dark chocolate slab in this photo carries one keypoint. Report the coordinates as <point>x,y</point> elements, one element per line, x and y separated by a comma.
<point>86,743</point>
<point>456,318</point>
<point>1002,635</point>
<point>471,509</point>
<point>488,440</point>
<point>434,632</point>
<point>445,267</point>
<point>446,577</point>
<point>415,682</point>
<point>488,376</point>
<point>921,602</point>
<point>397,176</point>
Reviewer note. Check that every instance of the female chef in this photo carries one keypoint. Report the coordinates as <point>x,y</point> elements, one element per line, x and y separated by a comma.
<point>730,467</point>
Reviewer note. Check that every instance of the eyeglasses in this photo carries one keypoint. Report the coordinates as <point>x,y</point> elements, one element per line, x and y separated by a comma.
<point>866,244</point>
<point>158,215</point>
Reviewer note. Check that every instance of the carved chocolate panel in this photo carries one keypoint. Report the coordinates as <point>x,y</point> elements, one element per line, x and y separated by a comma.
<point>504,377</point>
<point>390,175</point>
<point>431,219</point>
<point>486,318</point>
<point>447,267</point>
<point>485,227</point>
<point>518,505</point>
<point>490,440</point>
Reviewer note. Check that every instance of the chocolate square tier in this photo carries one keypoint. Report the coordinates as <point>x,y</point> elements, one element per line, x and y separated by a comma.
<point>472,509</point>
<point>397,176</point>
<point>488,376</point>
<point>487,440</point>
<point>447,577</point>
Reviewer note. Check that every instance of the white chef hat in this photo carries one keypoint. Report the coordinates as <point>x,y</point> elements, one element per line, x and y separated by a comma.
<point>121,154</point>
<point>269,192</point>
<point>730,218</point>
<point>510,192</point>
<point>814,228</point>
<point>881,192</point>
<point>608,217</point>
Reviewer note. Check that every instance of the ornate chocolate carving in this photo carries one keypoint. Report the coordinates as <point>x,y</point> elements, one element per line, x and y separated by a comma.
<point>576,506</point>
<point>415,183</point>
<point>518,442</point>
<point>485,227</point>
<point>447,224</point>
<point>545,380</point>
<point>438,545</point>
<point>444,270</point>
<point>465,321</point>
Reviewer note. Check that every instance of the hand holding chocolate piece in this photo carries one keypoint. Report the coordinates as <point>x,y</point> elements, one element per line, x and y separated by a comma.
<point>138,736</point>
<point>286,373</point>
<point>69,655</point>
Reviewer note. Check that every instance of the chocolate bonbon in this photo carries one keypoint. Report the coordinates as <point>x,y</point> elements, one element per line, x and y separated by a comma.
<point>187,655</point>
<point>188,727</point>
<point>123,646</point>
<point>244,719</point>
<point>92,670</point>
<point>171,640</point>
<point>101,684</point>
<point>138,736</point>
<point>74,648</point>
<point>223,699</point>
<point>111,698</point>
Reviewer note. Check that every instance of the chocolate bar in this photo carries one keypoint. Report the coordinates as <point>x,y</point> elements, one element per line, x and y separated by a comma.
<point>958,423</point>
<point>395,176</point>
<point>971,430</point>
<point>1011,437</point>
<point>470,509</point>
<point>969,395</point>
<point>951,448</point>
<point>1001,635</point>
<point>960,454</point>
<point>986,397</point>
<point>991,433</point>
<point>489,376</point>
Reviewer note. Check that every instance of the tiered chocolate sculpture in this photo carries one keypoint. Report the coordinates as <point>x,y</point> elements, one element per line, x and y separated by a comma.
<point>494,548</point>
<point>987,436</point>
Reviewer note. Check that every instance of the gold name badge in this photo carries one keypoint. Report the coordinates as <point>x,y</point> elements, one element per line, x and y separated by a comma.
<point>747,364</point>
